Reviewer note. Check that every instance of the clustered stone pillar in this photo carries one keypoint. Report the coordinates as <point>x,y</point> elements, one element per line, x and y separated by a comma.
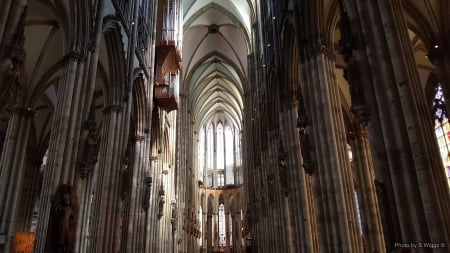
<point>163,213</point>
<point>209,232</point>
<point>296,193</point>
<point>105,214</point>
<point>186,196</point>
<point>63,144</point>
<point>12,167</point>
<point>407,167</point>
<point>139,197</point>
<point>365,187</point>
<point>28,195</point>
<point>333,180</point>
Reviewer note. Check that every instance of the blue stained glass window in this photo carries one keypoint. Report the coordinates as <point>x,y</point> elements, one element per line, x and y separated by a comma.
<point>442,128</point>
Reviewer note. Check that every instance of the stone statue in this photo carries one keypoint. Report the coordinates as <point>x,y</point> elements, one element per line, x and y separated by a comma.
<point>62,223</point>
<point>88,150</point>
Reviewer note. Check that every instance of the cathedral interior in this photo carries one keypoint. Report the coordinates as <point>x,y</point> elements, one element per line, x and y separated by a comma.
<point>237,126</point>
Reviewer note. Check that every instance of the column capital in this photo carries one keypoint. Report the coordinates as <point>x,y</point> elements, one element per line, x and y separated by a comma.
<point>73,56</point>
<point>112,108</point>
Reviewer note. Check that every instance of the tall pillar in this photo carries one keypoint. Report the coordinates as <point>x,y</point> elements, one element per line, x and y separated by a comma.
<point>12,171</point>
<point>409,173</point>
<point>209,233</point>
<point>365,187</point>
<point>29,192</point>
<point>84,230</point>
<point>155,201</point>
<point>62,156</point>
<point>139,198</point>
<point>204,242</point>
<point>337,220</point>
<point>106,214</point>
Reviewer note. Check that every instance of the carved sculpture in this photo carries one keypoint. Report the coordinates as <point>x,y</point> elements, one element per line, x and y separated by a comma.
<point>307,150</point>
<point>161,203</point>
<point>348,43</point>
<point>89,147</point>
<point>148,186</point>
<point>62,223</point>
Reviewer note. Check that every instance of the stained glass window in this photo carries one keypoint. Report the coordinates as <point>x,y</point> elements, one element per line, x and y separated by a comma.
<point>220,148</point>
<point>358,213</point>
<point>200,220</point>
<point>230,228</point>
<point>218,153</point>
<point>229,157</point>
<point>442,129</point>
<point>201,154</point>
<point>210,148</point>
<point>222,236</point>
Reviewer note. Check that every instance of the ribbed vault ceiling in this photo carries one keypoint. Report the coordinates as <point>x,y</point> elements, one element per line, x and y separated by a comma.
<point>216,42</point>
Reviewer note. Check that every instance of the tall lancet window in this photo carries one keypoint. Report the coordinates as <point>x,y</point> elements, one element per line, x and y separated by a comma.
<point>210,148</point>
<point>222,236</point>
<point>200,220</point>
<point>220,147</point>
<point>355,193</point>
<point>358,213</point>
<point>230,229</point>
<point>442,129</point>
<point>201,154</point>
<point>217,154</point>
<point>229,155</point>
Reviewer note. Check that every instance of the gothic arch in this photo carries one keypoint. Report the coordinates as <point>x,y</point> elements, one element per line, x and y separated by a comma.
<point>289,88</point>
<point>140,106</point>
<point>210,204</point>
<point>420,24</point>
<point>114,91</point>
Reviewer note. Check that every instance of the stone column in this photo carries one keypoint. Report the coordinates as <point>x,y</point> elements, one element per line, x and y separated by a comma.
<point>62,146</point>
<point>12,171</point>
<point>153,213</point>
<point>139,198</point>
<point>227,229</point>
<point>105,216</point>
<point>203,232</point>
<point>84,230</point>
<point>413,178</point>
<point>233,231</point>
<point>209,233</point>
<point>29,192</point>
<point>365,186</point>
<point>297,191</point>
<point>337,220</point>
